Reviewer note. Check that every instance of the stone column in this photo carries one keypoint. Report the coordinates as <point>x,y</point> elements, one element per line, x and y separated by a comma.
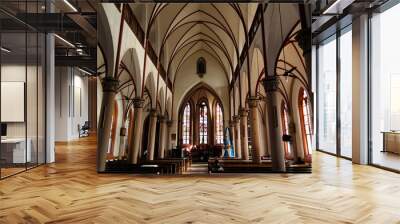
<point>122,134</point>
<point>232,126</point>
<point>168,137</point>
<point>238,149</point>
<point>255,134</point>
<point>292,133</point>
<point>244,136</point>
<point>136,135</point>
<point>152,134</point>
<point>110,86</point>
<point>271,85</point>
<point>163,130</point>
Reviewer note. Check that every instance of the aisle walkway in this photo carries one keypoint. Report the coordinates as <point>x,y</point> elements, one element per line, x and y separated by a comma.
<point>71,191</point>
<point>198,169</point>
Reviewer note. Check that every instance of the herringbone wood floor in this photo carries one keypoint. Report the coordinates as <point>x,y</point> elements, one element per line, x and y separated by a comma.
<point>70,191</point>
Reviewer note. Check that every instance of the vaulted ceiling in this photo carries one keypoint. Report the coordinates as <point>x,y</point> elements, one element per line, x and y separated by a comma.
<point>178,31</point>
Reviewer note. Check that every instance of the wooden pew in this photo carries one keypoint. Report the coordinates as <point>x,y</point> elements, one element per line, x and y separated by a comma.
<point>247,166</point>
<point>122,166</point>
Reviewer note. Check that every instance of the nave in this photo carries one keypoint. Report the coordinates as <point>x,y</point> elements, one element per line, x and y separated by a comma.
<point>71,191</point>
<point>225,84</point>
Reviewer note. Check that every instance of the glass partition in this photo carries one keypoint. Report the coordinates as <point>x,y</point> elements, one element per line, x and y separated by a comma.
<point>346,93</point>
<point>327,96</point>
<point>22,101</point>
<point>385,89</point>
<point>14,153</point>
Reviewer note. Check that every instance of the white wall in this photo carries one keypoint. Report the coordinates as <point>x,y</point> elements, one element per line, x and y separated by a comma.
<point>71,103</point>
<point>33,126</point>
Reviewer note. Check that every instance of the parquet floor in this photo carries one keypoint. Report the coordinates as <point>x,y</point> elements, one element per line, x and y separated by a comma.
<point>70,191</point>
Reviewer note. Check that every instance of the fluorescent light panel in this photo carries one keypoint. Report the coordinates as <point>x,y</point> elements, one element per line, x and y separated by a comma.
<point>70,5</point>
<point>338,6</point>
<point>5,50</point>
<point>84,71</point>
<point>64,40</point>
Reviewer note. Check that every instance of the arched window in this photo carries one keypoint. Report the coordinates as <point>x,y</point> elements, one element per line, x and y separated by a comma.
<point>305,118</point>
<point>285,130</point>
<point>111,140</point>
<point>203,123</point>
<point>186,125</point>
<point>201,66</point>
<point>219,125</point>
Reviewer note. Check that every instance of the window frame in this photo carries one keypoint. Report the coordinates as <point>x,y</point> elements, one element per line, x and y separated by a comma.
<point>304,102</point>
<point>285,130</point>
<point>218,114</point>
<point>189,132</point>
<point>203,104</point>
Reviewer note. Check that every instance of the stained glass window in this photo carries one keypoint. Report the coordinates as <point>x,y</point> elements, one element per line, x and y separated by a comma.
<point>285,129</point>
<point>306,120</point>
<point>219,125</point>
<point>203,124</point>
<point>186,125</point>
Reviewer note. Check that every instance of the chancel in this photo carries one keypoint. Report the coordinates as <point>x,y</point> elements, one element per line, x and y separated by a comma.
<point>199,111</point>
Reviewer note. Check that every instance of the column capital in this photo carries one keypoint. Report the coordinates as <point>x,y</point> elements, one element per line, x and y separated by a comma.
<point>163,118</point>
<point>110,84</point>
<point>153,113</point>
<point>236,118</point>
<point>253,101</point>
<point>271,83</point>
<point>232,123</point>
<point>243,112</point>
<point>169,123</point>
<point>138,102</point>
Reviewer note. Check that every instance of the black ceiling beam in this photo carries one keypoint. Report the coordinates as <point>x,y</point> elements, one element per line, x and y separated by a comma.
<point>78,61</point>
<point>52,22</point>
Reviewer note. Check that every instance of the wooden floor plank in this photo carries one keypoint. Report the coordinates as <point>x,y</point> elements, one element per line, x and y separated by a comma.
<point>70,191</point>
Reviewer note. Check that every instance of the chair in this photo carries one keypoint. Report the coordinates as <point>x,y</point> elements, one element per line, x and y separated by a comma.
<point>84,130</point>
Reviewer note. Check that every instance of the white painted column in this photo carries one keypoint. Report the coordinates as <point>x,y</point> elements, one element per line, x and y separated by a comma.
<point>50,98</point>
<point>360,90</point>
